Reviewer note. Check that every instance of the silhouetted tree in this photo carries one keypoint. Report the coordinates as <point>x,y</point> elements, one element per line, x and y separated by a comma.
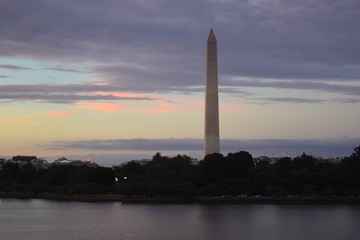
<point>176,176</point>
<point>10,171</point>
<point>102,176</point>
<point>57,175</point>
<point>213,167</point>
<point>354,159</point>
<point>27,173</point>
<point>284,162</point>
<point>131,171</point>
<point>262,164</point>
<point>304,161</point>
<point>356,154</point>
<point>133,168</point>
<point>166,169</point>
<point>238,164</point>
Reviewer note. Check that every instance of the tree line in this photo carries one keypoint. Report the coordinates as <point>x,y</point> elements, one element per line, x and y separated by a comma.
<point>216,175</point>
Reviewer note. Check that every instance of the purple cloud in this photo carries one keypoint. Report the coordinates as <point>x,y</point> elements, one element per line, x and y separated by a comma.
<point>298,85</point>
<point>291,100</point>
<point>13,67</point>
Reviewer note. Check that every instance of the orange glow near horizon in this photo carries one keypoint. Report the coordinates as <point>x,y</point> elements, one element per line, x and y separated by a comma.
<point>58,114</point>
<point>164,108</point>
<point>232,106</point>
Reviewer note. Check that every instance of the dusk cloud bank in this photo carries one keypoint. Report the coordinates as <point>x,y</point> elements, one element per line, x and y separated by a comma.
<point>159,46</point>
<point>63,93</point>
<point>13,67</point>
<point>277,147</point>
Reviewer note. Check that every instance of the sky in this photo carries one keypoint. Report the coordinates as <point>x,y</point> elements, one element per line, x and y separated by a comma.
<point>122,79</point>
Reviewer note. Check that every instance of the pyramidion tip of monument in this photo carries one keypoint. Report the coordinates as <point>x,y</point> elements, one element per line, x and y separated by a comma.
<point>211,34</point>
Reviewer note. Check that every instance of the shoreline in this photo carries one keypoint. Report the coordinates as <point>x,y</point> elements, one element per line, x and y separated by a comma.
<point>180,200</point>
<point>247,200</point>
<point>63,197</point>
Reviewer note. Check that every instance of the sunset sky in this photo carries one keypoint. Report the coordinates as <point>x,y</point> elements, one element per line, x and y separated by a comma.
<point>115,79</point>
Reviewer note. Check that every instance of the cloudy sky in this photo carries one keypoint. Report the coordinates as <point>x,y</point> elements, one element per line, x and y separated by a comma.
<point>111,77</point>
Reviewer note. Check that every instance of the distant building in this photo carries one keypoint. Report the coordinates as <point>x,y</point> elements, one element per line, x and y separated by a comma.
<point>22,160</point>
<point>141,162</point>
<point>39,164</point>
<point>78,163</point>
<point>32,160</point>
<point>263,159</point>
<point>62,161</point>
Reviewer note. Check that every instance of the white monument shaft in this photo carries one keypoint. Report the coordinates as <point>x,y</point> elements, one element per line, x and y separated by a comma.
<point>212,142</point>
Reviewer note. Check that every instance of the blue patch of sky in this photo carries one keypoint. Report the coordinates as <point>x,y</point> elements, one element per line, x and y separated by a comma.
<point>40,72</point>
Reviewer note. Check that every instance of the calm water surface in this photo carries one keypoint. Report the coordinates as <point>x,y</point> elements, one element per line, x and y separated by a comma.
<point>41,219</point>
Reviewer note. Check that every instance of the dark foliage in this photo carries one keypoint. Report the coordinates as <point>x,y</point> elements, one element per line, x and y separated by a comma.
<point>216,175</point>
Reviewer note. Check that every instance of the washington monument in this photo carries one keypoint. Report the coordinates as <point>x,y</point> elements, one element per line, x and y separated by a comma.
<point>212,142</point>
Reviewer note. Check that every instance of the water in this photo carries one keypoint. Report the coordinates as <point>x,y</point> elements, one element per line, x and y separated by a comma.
<point>41,219</point>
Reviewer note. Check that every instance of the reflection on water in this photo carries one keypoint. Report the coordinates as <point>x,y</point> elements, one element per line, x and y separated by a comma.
<point>40,219</point>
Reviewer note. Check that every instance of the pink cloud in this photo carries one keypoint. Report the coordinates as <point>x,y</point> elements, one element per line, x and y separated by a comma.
<point>100,106</point>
